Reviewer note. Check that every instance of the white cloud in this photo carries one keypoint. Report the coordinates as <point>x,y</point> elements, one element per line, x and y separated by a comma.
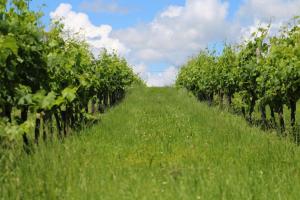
<point>266,10</point>
<point>149,54</point>
<point>141,70</point>
<point>173,35</point>
<point>177,32</point>
<point>167,77</point>
<point>164,78</point>
<point>172,11</point>
<point>257,13</point>
<point>98,37</point>
<point>247,31</point>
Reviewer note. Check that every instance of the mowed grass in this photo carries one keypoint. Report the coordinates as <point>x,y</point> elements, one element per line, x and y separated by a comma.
<point>160,143</point>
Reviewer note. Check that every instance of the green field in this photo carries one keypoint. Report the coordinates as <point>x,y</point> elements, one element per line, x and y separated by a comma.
<point>161,143</point>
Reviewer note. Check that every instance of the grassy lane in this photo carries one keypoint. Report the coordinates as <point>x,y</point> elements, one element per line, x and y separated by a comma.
<point>161,143</point>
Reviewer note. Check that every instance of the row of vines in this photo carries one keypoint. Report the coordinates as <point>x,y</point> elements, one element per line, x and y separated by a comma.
<point>263,72</point>
<point>51,84</point>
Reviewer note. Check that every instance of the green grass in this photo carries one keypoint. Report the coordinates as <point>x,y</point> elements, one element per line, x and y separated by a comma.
<point>160,143</point>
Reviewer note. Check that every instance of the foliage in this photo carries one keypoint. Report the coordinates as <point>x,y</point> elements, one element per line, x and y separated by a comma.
<point>49,81</point>
<point>145,150</point>
<point>262,71</point>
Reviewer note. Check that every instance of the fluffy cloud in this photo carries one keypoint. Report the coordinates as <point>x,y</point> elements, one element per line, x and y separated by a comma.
<point>266,10</point>
<point>98,37</point>
<point>256,13</point>
<point>172,36</point>
<point>156,79</point>
<point>177,32</point>
<point>172,11</point>
<point>167,77</point>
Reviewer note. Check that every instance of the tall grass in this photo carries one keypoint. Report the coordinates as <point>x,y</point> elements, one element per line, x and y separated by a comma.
<point>160,143</point>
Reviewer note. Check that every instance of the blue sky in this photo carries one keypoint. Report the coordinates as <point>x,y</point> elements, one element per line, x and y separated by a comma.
<point>138,11</point>
<point>158,36</point>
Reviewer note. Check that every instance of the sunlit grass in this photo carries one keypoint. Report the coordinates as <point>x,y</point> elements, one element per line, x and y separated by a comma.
<point>161,143</point>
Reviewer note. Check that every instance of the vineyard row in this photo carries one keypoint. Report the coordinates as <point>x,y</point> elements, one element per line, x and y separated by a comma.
<point>262,72</point>
<point>50,82</point>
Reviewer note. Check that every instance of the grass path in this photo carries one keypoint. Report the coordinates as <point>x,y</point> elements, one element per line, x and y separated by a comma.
<point>160,143</point>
